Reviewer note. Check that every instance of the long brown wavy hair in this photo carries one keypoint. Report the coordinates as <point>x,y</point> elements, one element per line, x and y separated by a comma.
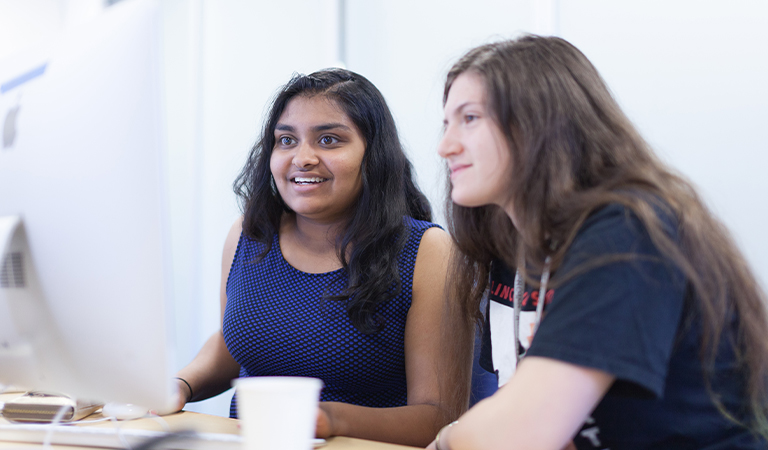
<point>573,151</point>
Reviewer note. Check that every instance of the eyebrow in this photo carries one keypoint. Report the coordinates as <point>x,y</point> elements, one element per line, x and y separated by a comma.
<point>461,107</point>
<point>331,126</point>
<point>323,127</point>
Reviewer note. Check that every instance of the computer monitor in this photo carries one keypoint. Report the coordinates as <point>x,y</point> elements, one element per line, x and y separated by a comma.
<point>85,288</point>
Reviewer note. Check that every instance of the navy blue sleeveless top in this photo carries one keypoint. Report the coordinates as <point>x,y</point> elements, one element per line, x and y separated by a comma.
<point>276,323</point>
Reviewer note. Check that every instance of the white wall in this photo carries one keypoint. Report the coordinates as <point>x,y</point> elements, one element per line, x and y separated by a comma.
<point>690,74</point>
<point>24,24</point>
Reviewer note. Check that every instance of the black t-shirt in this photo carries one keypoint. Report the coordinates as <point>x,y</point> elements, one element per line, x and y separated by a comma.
<point>630,318</point>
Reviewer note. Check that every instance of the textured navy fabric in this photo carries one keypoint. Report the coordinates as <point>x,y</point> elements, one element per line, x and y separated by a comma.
<point>277,323</point>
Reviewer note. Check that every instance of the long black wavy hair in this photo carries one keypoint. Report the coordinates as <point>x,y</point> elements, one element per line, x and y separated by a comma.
<point>375,233</point>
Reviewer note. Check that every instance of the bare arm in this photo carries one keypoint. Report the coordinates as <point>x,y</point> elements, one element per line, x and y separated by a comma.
<point>212,370</point>
<point>542,407</point>
<point>416,423</point>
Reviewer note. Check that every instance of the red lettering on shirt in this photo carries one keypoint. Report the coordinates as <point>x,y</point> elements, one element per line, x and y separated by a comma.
<point>505,292</point>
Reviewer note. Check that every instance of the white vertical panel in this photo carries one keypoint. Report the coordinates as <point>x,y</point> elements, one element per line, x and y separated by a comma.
<point>545,17</point>
<point>332,32</point>
<point>181,46</point>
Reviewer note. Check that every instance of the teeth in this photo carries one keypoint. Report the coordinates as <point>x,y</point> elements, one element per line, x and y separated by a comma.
<point>308,180</point>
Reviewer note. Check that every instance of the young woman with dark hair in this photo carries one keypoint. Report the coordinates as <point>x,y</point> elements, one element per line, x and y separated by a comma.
<point>640,323</point>
<point>334,270</point>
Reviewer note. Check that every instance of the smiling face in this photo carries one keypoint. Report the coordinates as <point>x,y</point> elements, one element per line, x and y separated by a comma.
<point>474,146</point>
<point>317,159</point>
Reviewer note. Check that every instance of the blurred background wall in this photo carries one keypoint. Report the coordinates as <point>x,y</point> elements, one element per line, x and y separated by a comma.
<point>691,74</point>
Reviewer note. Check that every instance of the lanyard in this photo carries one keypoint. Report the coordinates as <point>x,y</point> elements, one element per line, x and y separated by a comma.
<point>518,298</point>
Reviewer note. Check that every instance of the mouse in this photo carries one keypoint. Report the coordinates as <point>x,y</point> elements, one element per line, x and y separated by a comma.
<point>123,411</point>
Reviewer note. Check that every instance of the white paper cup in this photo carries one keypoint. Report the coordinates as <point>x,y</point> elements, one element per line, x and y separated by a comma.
<point>277,412</point>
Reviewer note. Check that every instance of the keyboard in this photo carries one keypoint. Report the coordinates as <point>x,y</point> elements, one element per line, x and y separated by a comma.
<point>118,438</point>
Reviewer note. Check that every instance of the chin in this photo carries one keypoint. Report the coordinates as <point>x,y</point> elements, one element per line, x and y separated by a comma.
<point>467,201</point>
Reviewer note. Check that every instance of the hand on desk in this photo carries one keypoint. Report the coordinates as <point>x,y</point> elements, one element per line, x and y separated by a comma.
<point>324,428</point>
<point>178,399</point>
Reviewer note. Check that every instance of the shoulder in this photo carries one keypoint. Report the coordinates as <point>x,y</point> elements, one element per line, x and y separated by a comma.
<point>614,252</point>
<point>418,225</point>
<point>426,236</point>
<point>232,240</point>
<point>615,228</point>
<point>435,240</point>
<point>431,265</point>
<point>615,242</point>
<point>233,236</point>
<point>613,218</point>
<point>434,252</point>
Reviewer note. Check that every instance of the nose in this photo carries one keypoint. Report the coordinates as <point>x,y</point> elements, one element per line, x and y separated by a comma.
<point>449,144</point>
<point>305,156</point>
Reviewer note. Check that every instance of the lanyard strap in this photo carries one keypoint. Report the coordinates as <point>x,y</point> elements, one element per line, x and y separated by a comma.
<point>518,298</point>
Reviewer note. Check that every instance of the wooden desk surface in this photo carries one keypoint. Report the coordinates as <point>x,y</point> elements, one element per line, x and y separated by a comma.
<point>202,423</point>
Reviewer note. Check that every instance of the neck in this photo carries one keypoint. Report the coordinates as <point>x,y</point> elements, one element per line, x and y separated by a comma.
<point>315,236</point>
<point>511,214</point>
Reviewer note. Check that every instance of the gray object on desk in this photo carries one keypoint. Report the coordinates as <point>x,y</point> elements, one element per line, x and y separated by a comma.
<point>43,407</point>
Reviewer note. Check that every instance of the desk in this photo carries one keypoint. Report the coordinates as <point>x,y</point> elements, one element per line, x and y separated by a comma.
<point>203,423</point>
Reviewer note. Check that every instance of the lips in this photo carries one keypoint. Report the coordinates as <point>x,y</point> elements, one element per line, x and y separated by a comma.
<point>458,168</point>
<point>308,180</point>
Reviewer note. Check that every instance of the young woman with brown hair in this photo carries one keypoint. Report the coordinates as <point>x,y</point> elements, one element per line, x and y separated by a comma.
<point>640,323</point>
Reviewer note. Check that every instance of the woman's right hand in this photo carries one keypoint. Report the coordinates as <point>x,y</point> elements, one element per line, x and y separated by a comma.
<point>181,395</point>
<point>323,427</point>
<point>326,423</point>
<point>179,399</point>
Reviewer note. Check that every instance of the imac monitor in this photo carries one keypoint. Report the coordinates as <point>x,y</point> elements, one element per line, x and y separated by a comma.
<point>85,301</point>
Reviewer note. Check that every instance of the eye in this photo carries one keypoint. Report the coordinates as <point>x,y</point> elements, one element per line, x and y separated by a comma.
<point>328,140</point>
<point>470,118</point>
<point>285,140</point>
